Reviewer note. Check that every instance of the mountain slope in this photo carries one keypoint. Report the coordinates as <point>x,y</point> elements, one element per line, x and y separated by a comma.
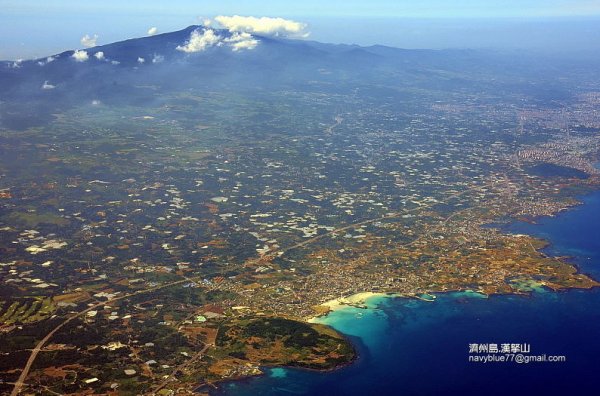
<point>33,90</point>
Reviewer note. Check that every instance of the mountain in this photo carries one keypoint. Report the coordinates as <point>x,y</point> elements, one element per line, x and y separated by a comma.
<point>33,90</point>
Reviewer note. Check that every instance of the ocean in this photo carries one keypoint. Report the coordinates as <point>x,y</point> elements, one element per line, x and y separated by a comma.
<point>414,347</point>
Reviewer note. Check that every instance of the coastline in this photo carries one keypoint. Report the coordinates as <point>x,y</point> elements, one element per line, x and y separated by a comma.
<point>207,387</point>
<point>360,299</point>
<point>368,300</point>
<point>512,227</point>
<point>357,300</point>
<point>365,300</point>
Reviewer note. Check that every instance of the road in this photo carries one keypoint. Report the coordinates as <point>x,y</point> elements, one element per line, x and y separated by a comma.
<point>20,382</point>
<point>40,345</point>
<point>179,368</point>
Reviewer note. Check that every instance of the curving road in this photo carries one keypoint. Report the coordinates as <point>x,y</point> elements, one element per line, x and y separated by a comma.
<point>35,351</point>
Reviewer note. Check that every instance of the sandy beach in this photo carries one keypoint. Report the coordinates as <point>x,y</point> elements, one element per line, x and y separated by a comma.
<point>342,302</point>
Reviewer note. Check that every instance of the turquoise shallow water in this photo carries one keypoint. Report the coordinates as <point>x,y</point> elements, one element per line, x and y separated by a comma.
<point>413,347</point>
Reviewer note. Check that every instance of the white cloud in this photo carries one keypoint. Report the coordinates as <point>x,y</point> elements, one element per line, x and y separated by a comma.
<point>88,41</point>
<point>48,60</point>
<point>263,25</point>
<point>157,58</point>
<point>47,85</point>
<point>241,29</point>
<point>16,64</point>
<point>80,55</point>
<point>152,31</point>
<point>96,102</point>
<point>241,41</point>
<point>115,62</point>
<point>141,60</point>
<point>199,41</point>
<point>99,55</point>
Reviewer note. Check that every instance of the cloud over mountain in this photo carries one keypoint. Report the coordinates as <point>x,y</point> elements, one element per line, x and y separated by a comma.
<point>157,58</point>
<point>241,41</point>
<point>263,25</point>
<point>199,41</point>
<point>47,85</point>
<point>88,41</point>
<point>48,60</point>
<point>241,32</point>
<point>80,55</point>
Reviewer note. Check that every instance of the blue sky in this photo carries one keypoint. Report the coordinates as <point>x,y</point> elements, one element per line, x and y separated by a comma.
<point>365,8</point>
<point>35,28</point>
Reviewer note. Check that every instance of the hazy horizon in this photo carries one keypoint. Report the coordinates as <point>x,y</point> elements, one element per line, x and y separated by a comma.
<point>531,24</point>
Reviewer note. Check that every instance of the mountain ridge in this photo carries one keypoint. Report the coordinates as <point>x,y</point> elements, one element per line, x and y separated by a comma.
<point>35,89</point>
<point>171,40</point>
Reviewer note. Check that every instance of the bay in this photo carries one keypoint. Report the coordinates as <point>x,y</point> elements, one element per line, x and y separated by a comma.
<point>414,347</point>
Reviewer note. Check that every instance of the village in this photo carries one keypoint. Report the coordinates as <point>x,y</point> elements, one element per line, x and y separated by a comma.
<point>153,236</point>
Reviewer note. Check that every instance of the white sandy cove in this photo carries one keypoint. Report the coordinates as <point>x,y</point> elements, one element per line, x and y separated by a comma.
<point>342,302</point>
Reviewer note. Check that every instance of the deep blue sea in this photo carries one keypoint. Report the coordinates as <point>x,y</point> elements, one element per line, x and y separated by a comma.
<point>413,347</point>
